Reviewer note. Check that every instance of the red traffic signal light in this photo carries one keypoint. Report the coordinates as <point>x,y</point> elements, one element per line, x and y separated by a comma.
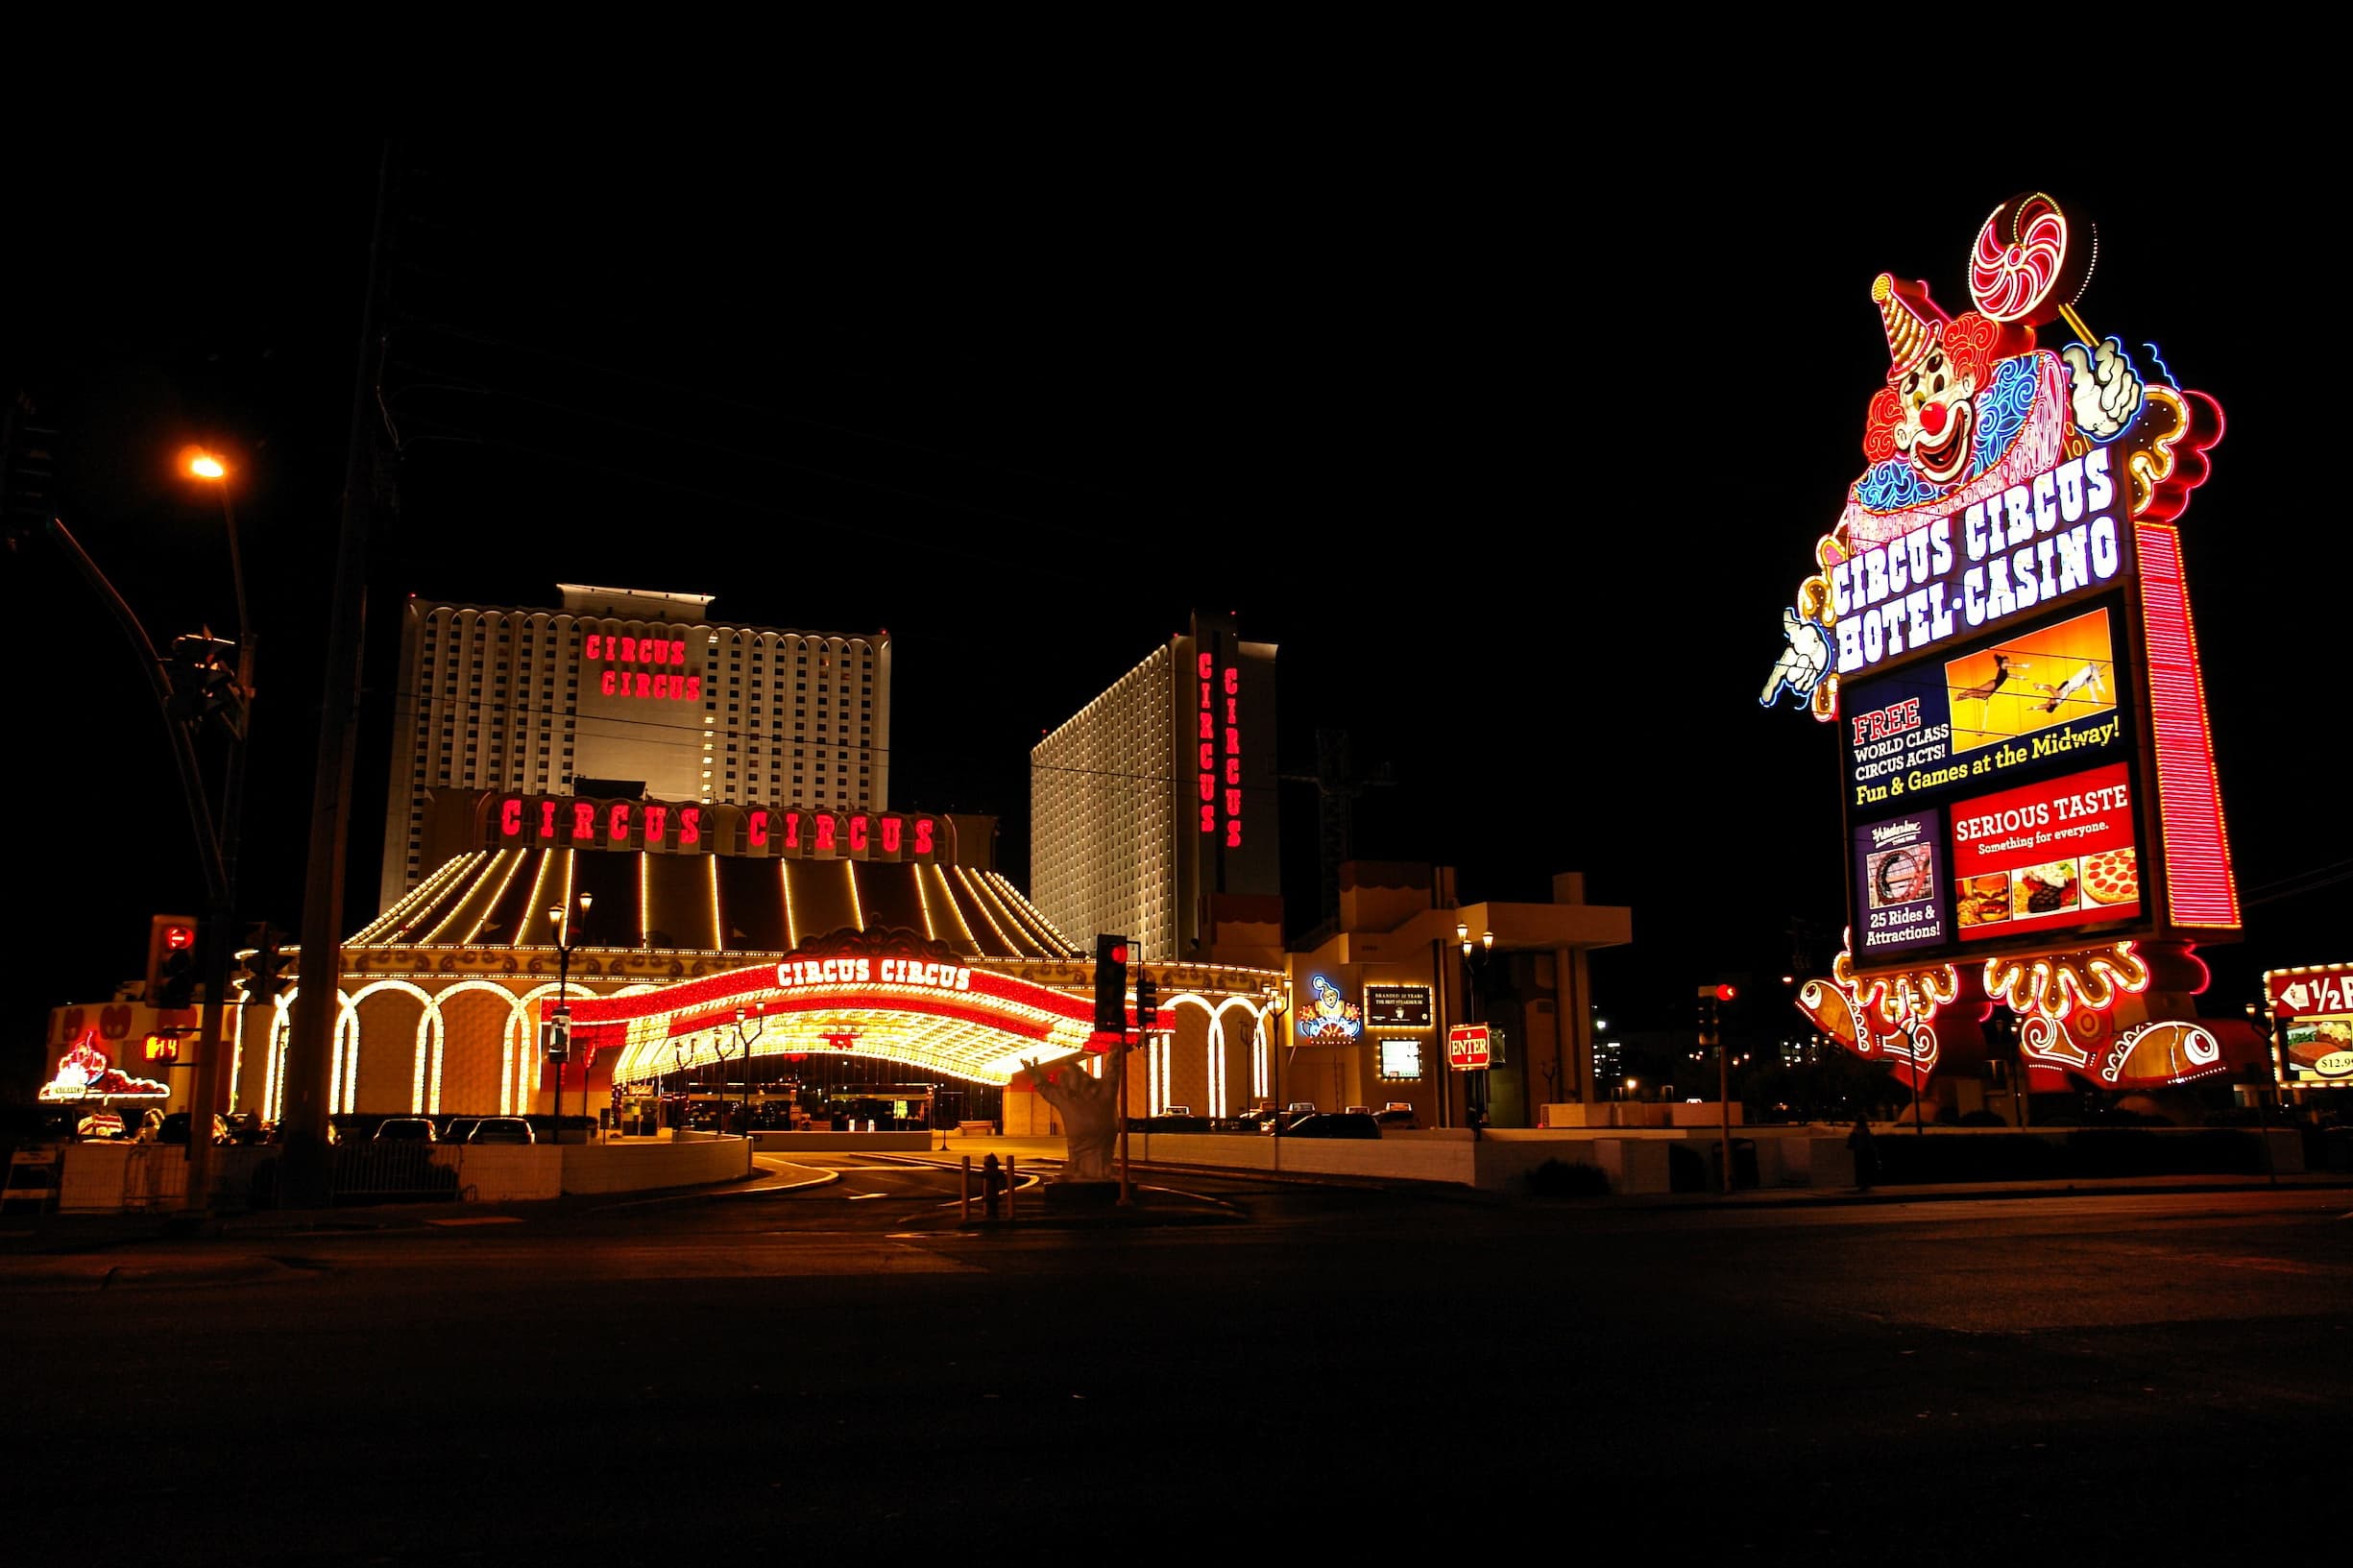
<point>1111,984</point>
<point>171,937</point>
<point>1718,993</point>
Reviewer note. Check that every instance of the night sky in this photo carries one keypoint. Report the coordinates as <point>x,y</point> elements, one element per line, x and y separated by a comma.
<point>1518,464</point>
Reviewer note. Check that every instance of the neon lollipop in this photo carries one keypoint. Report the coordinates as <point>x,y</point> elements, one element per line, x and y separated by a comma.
<point>2029,264</point>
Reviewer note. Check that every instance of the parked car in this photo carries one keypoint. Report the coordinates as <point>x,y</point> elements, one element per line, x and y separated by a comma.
<point>103,1123</point>
<point>458,1128</point>
<point>1334,1125</point>
<point>1257,1118</point>
<point>501,1129</point>
<point>1397,1116</point>
<point>1299,1107</point>
<point>175,1128</point>
<point>1176,1120</point>
<point>405,1130</point>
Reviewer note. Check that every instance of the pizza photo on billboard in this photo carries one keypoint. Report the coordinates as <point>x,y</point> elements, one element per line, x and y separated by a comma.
<point>2112,876</point>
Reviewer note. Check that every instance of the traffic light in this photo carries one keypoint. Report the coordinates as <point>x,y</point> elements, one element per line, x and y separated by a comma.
<point>171,962</point>
<point>1711,1000</point>
<point>264,975</point>
<point>1111,984</point>
<point>203,676</point>
<point>1147,1004</point>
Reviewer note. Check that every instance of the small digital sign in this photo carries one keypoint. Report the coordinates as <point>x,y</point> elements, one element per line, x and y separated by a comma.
<point>1397,1059</point>
<point>2315,1008</point>
<point>1396,1007</point>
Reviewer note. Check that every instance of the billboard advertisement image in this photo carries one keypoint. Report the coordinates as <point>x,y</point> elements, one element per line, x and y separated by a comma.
<point>2045,696</point>
<point>2046,855</point>
<point>1899,882</point>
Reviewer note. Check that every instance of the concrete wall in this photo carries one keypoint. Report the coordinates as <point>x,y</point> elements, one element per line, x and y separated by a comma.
<point>645,1166</point>
<point>829,1142</point>
<point>504,1173</point>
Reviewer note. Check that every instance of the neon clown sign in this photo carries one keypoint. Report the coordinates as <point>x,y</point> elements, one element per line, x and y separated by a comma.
<point>2027,759</point>
<point>1331,1018</point>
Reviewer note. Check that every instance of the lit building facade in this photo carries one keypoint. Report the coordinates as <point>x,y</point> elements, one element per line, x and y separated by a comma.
<point>1153,809</point>
<point>874,942</point>
<point>626,691</point>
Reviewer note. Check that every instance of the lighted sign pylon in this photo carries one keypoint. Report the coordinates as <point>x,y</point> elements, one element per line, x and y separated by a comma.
<point>1999,619</point>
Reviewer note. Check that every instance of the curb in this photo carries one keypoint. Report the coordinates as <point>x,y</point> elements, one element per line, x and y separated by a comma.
<point>1848,1198</point>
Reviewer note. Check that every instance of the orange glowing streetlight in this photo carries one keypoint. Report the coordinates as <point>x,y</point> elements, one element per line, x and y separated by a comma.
<point>201,463</point>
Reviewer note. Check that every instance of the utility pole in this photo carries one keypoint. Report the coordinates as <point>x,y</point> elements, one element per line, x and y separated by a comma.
<point>311,1049</point>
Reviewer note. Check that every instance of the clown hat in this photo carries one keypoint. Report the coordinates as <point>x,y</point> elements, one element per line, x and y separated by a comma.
<point>1910,319</point>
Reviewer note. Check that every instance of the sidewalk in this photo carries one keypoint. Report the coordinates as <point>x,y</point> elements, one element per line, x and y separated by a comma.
<point>1962,1191</point>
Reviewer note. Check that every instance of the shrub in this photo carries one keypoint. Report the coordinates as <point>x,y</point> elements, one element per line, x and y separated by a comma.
<point>1563,1178</point>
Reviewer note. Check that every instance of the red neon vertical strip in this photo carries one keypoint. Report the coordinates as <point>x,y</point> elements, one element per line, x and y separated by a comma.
<point>2200,889</point>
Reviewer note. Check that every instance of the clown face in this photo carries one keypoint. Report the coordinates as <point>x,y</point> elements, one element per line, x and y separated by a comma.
<point>1936,421</point>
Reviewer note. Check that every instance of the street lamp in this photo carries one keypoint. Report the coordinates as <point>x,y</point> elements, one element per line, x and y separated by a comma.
<point>560,919</point>
<point>205,1092</point>
<point>680,1049</point>
<point>744,1042</point>
<point>1475,955</point>
<point>1278,1004</point>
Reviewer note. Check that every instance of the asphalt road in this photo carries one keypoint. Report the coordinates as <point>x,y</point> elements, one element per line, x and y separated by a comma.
<point>1249,1369</point>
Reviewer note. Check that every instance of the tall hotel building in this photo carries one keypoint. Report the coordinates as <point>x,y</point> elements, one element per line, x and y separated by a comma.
<point>1154,804</point>
<point>626,692</point>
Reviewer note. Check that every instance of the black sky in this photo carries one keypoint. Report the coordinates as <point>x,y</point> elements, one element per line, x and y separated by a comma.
<point>1517,461</point>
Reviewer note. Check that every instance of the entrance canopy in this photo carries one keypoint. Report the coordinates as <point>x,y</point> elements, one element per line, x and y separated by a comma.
<point>918,1003</point>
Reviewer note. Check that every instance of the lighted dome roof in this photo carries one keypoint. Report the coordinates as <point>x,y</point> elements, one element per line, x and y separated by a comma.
<point>710,904</point>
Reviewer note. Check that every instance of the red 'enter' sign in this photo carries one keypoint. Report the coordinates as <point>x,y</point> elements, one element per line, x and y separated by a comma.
<point>1467,1046</point>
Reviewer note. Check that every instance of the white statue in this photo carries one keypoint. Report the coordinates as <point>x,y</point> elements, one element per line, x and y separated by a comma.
<point>1090,1110</point>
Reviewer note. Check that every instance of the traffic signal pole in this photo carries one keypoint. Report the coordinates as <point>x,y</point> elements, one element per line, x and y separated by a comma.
<point>1711,1033</point>
<point>1119,1097</point>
